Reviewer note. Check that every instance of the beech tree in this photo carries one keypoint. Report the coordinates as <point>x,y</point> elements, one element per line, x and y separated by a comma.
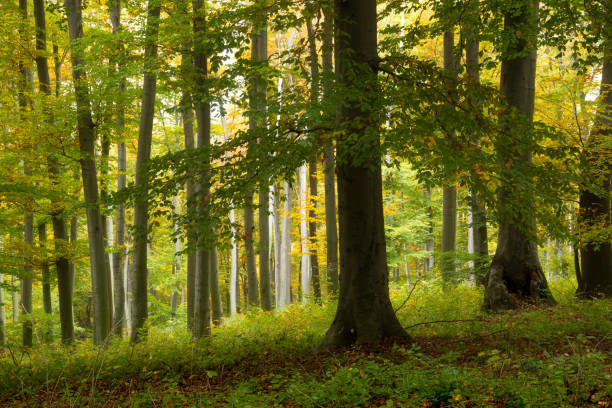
<point>364,312</point>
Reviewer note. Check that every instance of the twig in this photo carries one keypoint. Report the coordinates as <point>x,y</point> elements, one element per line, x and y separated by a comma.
<point>409,294</point>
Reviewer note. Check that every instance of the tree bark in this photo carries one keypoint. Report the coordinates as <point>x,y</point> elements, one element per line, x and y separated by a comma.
<point>515,270</point>
<point>201,317</point>
<point>364,312</point>
<point>449,192</point>
<point>331,232</point>
<point>302,194</point>
<point>46,274</point>
<point>119,292</point>
<point>284,289</point>
<point>596,254</point>
<point>141,214</point>
<point>215,293</point>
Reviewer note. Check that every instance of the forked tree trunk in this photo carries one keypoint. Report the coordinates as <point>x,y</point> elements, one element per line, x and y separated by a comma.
<point>364,312</point>
<point>515,270</point>
<point>141,211</point>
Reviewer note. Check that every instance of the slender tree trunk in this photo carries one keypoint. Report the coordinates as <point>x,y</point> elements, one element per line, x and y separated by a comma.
<point>515,268</point>
<point>234,290</point>
<point>257,122</point>
<point>364,312</point>
<point>2,315</point>
<point>305,258</point>
<point>141,215</point>
<point>449,193</point>
<point>284,296</point>
<point>277,241</point>
<point>176,267</point>
<point>118,287</point>
<point>215,293</point>
<point>201,317</point>
<point>429,244</point>
<point>28,219</point>
<point>479,216</point>
<point>46,274</point>
<point>596,254</point>
<point>14,299</point>
<point>312,229</point>
<point>331,232</point>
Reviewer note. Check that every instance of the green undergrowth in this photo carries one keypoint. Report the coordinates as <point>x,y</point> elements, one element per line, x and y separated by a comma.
<point>535,357</point>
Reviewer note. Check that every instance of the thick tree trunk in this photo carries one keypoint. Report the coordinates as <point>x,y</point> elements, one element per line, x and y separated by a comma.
<point>364,312</point>
<point>331,232</point>
<point>596,255</point>
<point>118,284</point>
<point>141,213</point>
<point>201,316</point>
<point>449,193</point>
<point>515,270</point>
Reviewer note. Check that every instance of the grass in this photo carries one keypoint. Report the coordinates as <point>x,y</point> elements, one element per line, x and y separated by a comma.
<point>551,357</point>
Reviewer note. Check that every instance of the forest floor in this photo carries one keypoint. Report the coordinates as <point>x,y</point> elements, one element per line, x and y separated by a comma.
<point>557,356</point>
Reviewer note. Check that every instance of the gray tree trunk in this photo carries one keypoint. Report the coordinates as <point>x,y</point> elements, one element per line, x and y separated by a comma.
<point>479,240</point>
<point>118,287</point>
<point>331,232</point>
<point>46,273</point>
<point>277,240</point>
<point>201,317</point>
<point>141,214</point>
<point>515,269</point>
<point>284,285</point>
<point>302,196</point>
<point>215,293</point>
<point>449,193</point>
<point>364,312</point>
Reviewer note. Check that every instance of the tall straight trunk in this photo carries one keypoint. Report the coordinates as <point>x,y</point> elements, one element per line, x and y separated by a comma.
<point>331,232</point>
<point>64,280</point>
<point>479,241</point>
<point>515,269</point>
<point>276,226</point>
<point>249,231</point>
<point>284,289</point>
<point>141,213</point>
<point>201,316</point>
<point>188,119</point>
<point>449,192</point>
<point>234,290</point>
<point>215,293</point>
<point>364,312</point>
<point>99,271</point>
<point>118,284</point>
<point>14,298</point>
<point>596,254</point>
<point>302,194</point>
<point>258,123</point>
<point>312,230</point>
<point>2,316</point>
<point>176,266</point>
<point>428,263</point>
<point>25,303</point>
<point>44,266</point>
<point>106,229</point>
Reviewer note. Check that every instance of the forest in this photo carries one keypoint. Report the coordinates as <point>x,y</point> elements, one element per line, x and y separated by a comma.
<point>276,203</point>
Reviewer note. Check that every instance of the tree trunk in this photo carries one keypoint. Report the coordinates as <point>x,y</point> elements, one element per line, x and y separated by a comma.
<point>2,316</point>
<point>331,232</point>
<point>234,290</point>
<point>215,294</point>
<point>141,213</point>
<point>304,249</point>
<point>479,216</point>
<point>118,287</point>
<point>284,289</point>
<point>257,122</point>
<point>25,303</point>
<point>515,270</point>
<point>429,244</point>
<point>364,312</point>
<point>277,241</point>
<point>46,274</point>
<point>449,193</point>
<point>312,229</point>
<point>14,299</point>
<point>596,254</point>
<point>201,317</point>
